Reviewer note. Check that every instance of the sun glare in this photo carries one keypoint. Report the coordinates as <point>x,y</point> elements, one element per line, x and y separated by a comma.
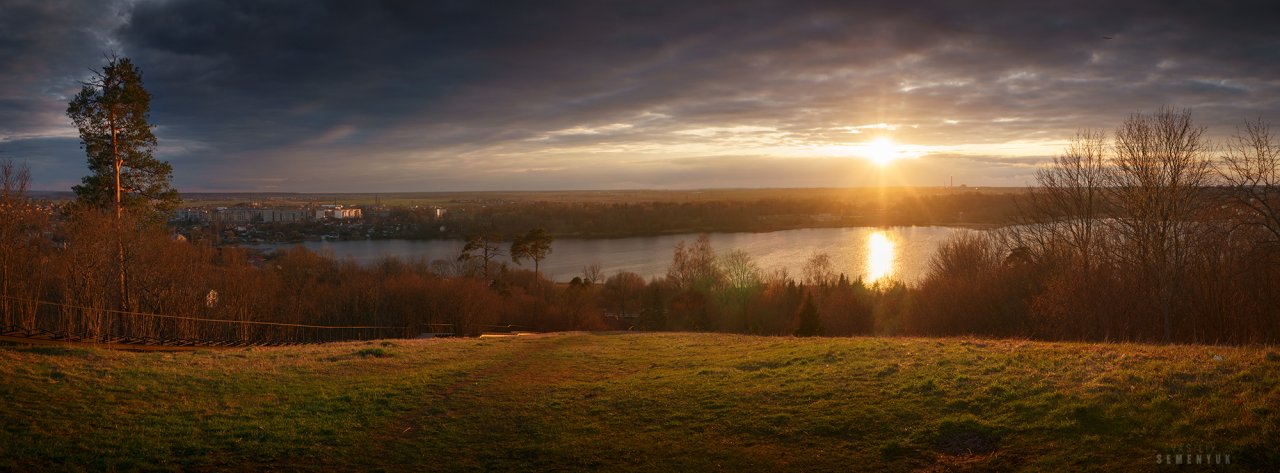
<point>880,253</point>
<point>882,151</point>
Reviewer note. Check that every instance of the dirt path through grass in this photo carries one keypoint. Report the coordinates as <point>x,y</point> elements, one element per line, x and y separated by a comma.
<point>486,405</point>
<point>502,365</point>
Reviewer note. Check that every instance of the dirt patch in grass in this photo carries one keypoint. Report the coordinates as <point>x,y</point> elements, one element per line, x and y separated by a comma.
<point>374,352</point>
<point>965,437</point>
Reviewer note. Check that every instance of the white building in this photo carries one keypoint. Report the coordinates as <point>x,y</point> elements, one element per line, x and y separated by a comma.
<point>284,215</point>
<point>337,212</point>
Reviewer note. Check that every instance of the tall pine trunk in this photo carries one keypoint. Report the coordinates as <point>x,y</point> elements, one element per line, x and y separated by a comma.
<point>115,155</point>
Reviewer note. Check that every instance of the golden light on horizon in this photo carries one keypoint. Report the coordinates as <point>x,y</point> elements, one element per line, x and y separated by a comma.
<point>882,151</point>
<point>880,256</point>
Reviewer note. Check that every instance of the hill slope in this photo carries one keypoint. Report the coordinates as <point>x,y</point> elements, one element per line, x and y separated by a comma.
<point>641,402</point>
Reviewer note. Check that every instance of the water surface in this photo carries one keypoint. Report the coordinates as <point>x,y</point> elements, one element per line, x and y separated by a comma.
<point>871,253</point>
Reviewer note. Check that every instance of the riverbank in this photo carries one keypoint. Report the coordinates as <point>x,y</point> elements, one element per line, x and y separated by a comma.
<point>643,402</point>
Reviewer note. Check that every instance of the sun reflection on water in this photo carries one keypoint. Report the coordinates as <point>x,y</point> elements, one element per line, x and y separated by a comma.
<point>880,255</point>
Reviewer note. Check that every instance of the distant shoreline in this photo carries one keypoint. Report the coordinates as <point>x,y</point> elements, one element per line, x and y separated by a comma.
<point>566,195</point>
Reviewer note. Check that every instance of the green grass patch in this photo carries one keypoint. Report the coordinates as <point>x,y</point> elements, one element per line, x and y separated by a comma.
<point>374,352</point>
<point>642,402</point>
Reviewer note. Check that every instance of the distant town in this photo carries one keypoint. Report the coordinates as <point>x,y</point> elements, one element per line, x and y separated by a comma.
<point>256,222</point>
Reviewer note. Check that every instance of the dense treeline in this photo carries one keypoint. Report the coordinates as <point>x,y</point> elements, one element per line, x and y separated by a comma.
<point>624,219</point>
<point>1149,234</point>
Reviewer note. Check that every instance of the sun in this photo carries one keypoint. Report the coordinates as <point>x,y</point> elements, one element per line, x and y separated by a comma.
<point>882,151</point>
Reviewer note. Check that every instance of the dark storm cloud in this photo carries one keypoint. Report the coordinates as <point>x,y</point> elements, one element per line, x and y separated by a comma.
<point>334,95</point>
<point>45,48</point>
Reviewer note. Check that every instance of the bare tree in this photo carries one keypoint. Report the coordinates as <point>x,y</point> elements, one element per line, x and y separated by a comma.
<point>1061,226</point>
<point>622,293</point>
<point>818,270</point>
<point>742,283</point>
<point>14,212</point>
<point>740,271</point>
<point>694,267</point>
<point>20,226</point>
<point>1251,167</point>
<point>1160,167</point>
<point>592,274</point>
<point>1066,206</point>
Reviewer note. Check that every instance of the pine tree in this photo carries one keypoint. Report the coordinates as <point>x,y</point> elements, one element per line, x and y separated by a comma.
<point>534,245</point>
<point>810,323</point>
<point>112,113</point>
<point>485,247</point>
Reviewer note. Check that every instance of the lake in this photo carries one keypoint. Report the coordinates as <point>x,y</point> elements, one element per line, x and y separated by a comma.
<point>900,253</point>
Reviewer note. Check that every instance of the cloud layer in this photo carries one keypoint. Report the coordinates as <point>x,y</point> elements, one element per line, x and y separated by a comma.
<point>329,95</point>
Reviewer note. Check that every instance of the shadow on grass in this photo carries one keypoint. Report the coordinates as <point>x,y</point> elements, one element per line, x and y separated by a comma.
<point>965,437</point>
<point>57,351</point>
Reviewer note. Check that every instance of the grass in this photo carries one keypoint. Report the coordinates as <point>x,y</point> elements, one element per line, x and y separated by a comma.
<point>651,402</point>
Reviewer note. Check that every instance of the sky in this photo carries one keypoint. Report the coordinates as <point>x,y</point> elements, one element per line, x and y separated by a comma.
<point>381,96</point>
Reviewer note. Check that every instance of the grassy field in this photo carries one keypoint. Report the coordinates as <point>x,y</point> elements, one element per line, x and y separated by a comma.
<point>652,402</point>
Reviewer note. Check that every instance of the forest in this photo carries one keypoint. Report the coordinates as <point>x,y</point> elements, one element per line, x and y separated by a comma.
<point>624,219</point>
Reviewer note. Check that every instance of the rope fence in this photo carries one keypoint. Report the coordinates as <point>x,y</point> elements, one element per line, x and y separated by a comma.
<point>46,320</point>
